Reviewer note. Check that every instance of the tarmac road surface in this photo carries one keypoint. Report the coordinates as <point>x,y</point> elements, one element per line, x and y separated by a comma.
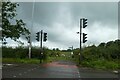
<point>57,69</point>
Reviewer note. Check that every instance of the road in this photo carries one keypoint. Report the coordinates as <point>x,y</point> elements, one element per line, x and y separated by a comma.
<point>57,69</point>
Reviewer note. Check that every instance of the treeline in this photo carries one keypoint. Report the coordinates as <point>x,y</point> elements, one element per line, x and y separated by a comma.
<point>23,52</point>
<point>103,56</point>
<point>108,51</point>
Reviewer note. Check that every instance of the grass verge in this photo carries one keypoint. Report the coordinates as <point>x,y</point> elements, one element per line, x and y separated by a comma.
<point>18,60</point>
<point>101,64</point>
<point>32,61</point>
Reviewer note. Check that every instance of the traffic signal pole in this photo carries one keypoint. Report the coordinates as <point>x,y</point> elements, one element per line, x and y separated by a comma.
<point>41,32</point>
<point>29,41</point>
<point>80,41</point>
<point>83,24</point>
<point>39,36</point>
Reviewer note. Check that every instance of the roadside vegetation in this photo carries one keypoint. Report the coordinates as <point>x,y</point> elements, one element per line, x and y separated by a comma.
<point>103,56</point>
<point>20,55</point>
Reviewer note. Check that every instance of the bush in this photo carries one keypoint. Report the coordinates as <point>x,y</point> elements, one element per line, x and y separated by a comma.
<point>101,64</point>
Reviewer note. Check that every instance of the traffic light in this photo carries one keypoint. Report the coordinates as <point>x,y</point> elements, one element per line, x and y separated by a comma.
<point>37,36</point>
<point>84,22</point>
<point>45,37</point>
<point>84,37</point>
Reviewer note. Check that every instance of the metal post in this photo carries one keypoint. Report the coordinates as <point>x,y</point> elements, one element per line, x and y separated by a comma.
<point>29,41</point>
<point>30,50</point>
<point>41,32</point>
<point>72,48</point>
<point>80,41</point>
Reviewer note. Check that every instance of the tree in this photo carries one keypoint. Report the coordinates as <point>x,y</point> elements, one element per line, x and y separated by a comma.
<point>10,29</point>
<point>57,49</point>
<point>102,45</point>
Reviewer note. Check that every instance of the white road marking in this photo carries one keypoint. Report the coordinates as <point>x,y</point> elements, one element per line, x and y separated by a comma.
<point>25,72</point>
<point>9,64</point>
<point>20,74</point>
<point>116,72</point>
<point>79,74</point>
<point>14,76</point>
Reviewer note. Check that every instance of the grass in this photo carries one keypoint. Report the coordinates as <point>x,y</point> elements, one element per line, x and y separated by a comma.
<point>33,61</point>
<point>18,60</point>
<point>101,64</point>
<point>36,61</point>
<point>50,59</point>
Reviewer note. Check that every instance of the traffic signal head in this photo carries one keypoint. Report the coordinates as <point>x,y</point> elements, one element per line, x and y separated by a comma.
<point>84,22</point>
<point>37,36</point>
<point>45,37</point>
<point>84,37</point>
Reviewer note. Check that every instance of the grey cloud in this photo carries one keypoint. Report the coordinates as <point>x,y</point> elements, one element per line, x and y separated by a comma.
<point>61,20</point>
<point>119,20</point>
<point>24,10</point>
<point>46,13</point>
<point>105,12</point>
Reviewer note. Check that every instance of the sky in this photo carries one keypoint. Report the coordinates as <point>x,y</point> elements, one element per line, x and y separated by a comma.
<point>61,21</point>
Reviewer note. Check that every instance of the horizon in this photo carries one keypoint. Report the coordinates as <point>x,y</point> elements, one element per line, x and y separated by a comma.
<point>57,47</point>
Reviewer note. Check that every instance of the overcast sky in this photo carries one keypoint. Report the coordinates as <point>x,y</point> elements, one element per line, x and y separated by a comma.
<point>61,21</point>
